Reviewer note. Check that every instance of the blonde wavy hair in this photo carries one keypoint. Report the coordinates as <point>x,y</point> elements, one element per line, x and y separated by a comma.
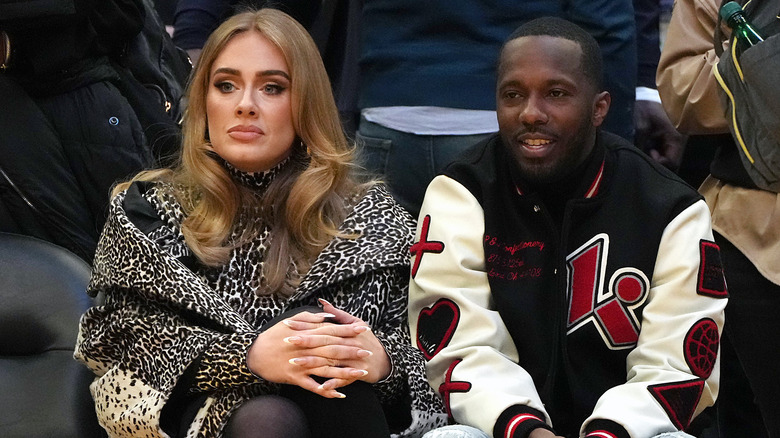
<point>305,203</point>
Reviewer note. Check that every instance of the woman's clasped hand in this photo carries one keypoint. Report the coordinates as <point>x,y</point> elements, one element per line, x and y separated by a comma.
<point>332,345</point>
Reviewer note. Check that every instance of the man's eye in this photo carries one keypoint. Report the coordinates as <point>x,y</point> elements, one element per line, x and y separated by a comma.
<point>511,95</point>
<point>557,93</point>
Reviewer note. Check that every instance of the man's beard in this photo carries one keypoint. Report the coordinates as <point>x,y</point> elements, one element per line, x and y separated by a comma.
<point>542,172</point>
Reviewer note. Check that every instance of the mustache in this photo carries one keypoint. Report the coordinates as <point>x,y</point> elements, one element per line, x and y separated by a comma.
<point>533,131</point>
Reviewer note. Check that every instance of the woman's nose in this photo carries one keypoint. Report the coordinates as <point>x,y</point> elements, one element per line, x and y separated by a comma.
<point>247,105</point>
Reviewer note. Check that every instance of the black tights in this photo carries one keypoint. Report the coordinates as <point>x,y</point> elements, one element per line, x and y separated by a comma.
<point>298,413</point>
<point>269,416</point>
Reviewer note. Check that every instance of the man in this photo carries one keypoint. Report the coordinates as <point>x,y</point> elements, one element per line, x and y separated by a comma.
<point>564,284</point>
<point>425,90</point>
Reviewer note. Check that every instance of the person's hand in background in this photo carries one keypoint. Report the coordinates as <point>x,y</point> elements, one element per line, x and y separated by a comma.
<point>657,136</point>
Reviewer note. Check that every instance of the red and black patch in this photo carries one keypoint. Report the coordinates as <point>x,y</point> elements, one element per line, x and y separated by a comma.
<point>448,387</point>
<point>701,347</point>
<point>424,245</point>
<point>435,327</point>
<point>679,400</point>
<point>514,424</point>
<point>711,282</point>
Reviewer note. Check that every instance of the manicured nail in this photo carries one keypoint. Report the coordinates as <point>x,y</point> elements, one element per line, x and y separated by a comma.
<point>340,395</point>
<point>362,329</point>
<point>364,353</point>
<point>324,301</point>
<point>296,361</point>
<point>293,339</point>
<point>326,315</point>
<point>359,373</point>
<point>288,323</point>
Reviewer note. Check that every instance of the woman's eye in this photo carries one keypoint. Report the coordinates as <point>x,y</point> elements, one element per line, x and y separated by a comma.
<point>225,87</point>
<point>273,89</point>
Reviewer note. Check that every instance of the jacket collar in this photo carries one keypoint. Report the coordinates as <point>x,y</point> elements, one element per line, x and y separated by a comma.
<point>384,235</point>
<point>587,182</point>
<point>385,232</point>
<point>125,254</point>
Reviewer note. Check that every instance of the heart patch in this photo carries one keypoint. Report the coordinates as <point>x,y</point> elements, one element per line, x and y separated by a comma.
<point>435,327</point>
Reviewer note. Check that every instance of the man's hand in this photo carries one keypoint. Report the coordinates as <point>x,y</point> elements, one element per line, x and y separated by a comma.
<point>542,433</point>
<point>656,136</point>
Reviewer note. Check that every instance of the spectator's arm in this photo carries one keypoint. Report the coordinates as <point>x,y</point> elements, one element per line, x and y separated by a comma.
<point>688,89</point>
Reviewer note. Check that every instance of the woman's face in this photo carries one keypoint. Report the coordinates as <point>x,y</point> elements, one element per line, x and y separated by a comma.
<point>248,104</point>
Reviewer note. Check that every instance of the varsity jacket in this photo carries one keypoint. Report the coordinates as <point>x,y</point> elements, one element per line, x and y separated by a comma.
<point>607,326</point>
<point>166,336</point>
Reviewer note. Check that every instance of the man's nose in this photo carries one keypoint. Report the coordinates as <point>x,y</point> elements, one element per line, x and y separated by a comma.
<point>533,112</point>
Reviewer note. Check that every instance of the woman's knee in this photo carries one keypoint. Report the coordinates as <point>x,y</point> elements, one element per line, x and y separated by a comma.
<point>268,416</point>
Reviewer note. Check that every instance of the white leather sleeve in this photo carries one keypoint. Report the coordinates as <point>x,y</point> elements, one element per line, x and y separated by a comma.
<point>672,359</point>
<point>452,314</point>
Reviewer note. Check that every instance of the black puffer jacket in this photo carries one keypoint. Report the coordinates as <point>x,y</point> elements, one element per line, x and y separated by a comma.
<point>70,126</point>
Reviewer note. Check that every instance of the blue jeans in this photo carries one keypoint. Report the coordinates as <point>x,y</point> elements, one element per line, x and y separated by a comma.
<point>408,162</point>
<point>461,431</point>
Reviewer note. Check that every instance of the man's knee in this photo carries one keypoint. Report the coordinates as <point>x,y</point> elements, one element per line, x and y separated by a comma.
<point>674,435</point>
<point>456,431</point>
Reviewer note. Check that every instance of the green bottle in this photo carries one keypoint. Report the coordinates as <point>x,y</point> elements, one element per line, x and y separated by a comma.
<point>745,35</point>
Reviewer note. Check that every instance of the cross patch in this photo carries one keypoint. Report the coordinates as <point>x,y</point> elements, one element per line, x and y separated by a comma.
<point>449,386</point>
<point>424,245</point>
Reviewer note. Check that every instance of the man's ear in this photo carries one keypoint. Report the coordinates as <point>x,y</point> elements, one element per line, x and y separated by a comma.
<point>601,107</point>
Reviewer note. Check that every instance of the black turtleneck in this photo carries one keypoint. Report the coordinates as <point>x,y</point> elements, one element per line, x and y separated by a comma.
<point>555,194</point>
<point>257,181</point>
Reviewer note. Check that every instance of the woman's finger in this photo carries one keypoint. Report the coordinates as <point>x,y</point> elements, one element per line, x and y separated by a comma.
<point>333,384</point>
<point>342,373</point>
<point>341,316</point>
<point>312,385</point>
<point>346,331</point>
<point>333,355</point>
<point>318,317</point>
<point>313,363</point>
<point>329,346</point>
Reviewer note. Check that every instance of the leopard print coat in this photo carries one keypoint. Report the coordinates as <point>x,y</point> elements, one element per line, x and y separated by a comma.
<point>160,317</point>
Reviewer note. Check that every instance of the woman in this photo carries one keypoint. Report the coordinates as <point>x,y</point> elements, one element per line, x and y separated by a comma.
<point>214,271</point>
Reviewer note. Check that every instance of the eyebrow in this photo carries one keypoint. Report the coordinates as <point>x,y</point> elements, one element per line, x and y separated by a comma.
<point>550,82</point>
<point>232,71</point>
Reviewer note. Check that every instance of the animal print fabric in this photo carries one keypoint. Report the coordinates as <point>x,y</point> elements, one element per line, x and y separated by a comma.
<point>160,318</point>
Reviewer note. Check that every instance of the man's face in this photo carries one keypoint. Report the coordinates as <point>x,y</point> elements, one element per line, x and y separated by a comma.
<point>548,110</point>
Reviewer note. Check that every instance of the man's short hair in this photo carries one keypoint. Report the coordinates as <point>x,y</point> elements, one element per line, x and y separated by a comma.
<point>558,27</point>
